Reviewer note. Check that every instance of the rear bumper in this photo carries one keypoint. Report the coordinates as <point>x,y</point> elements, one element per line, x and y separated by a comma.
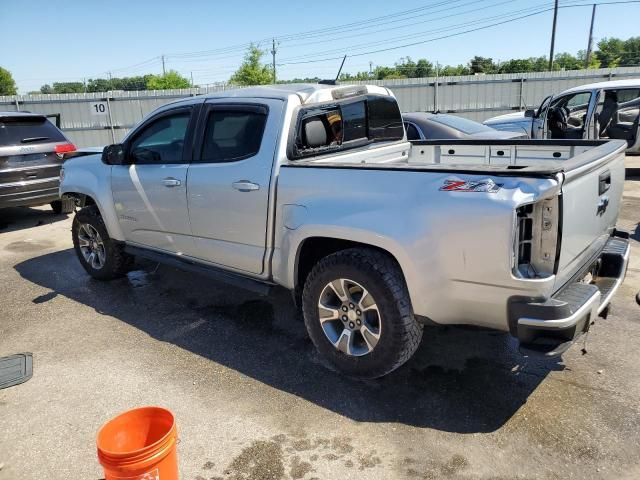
<point>549,328</point>
<point>29,193</point>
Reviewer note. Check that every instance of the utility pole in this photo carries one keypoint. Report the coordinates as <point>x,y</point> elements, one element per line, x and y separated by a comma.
<point>163,70</point>
<point>370,68</point>
<point>553,35</point>
<point>110,82</point>
<point>273,54</point>
<point>191,79</point>
<point>590,44</point>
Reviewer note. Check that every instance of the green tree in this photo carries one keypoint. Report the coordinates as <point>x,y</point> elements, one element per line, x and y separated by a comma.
<point>124,83</point>
<point>353,76</point>
<point>380,73</point>
<point>482,65</point>
<point>171,79</point>
<point>516,65</point>
<point>566,61</point>
<point>252,71</point>
<point>631,53</point>
<point>64,87</point>
<point>7,84</point>
<point>452,71</point>
<point>406,68</point>
<point>46,88</point>
<point>424,68</point>
<point>610,52</point>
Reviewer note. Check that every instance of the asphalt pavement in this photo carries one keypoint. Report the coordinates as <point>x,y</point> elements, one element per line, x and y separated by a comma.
<point>253,400</point>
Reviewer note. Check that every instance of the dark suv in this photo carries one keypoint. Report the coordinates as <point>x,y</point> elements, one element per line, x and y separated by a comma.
<point>32,150</point>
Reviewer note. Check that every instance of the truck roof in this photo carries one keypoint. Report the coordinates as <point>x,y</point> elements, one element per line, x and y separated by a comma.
<point>307,92</point>
<point>632,82</point>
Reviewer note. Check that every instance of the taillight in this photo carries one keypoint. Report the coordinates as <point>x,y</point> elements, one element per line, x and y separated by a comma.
<point>65,148</point>
<point>536,238</point>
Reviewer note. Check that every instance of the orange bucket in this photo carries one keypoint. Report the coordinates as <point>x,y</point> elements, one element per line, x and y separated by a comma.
<point>139,445</point>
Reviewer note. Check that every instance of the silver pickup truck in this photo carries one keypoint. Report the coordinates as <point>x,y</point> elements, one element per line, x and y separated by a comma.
<point>315,188</point>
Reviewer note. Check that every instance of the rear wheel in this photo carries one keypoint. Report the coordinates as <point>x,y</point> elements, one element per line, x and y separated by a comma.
<point>101,257</point>
<point>358,313</point>
<point>65,205</point>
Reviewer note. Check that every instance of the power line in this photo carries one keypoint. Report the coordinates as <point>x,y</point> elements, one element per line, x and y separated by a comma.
<point>386,41</point>
<point>484,27</point>
<point>289,37</point>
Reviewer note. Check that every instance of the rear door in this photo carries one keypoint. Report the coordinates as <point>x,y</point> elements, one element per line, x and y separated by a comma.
<point>150,193</point>
<point>229,179</point>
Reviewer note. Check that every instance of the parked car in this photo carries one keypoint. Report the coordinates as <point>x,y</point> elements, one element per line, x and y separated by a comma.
<point>605,110</point>
<point>32,150</point>
<point>441,126</point>
<point>315,188</point>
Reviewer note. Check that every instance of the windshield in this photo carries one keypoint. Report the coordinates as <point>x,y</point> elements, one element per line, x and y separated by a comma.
<point>464,125</point>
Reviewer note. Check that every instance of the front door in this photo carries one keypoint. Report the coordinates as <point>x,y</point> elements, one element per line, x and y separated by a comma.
<point>150,193</point>
<point>229,181</point>
<point>537,124</point>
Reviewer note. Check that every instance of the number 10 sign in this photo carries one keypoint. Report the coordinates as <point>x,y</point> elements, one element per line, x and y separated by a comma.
<point>99,108</point>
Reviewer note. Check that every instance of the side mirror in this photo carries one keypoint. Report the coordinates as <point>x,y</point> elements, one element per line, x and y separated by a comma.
<point>529,113</point>
<point>114,154</point>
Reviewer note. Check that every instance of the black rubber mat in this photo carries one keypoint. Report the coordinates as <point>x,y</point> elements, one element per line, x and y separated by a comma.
<point>15,369</point>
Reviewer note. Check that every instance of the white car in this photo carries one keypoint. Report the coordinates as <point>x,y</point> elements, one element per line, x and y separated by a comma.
<point>605,110</point>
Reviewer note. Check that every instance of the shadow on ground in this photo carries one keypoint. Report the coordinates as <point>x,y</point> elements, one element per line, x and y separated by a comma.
<point>460,380</point>
<point>18,218</point>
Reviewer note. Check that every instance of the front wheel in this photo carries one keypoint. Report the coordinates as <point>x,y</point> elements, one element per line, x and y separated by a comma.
<point>358,313</point>
<point>100,256</point>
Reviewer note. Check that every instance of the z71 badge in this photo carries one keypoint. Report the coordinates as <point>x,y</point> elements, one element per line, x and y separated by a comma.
<point>486,186</point>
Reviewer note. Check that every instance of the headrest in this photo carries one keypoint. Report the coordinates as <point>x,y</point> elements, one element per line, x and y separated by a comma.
<point>315,133</point>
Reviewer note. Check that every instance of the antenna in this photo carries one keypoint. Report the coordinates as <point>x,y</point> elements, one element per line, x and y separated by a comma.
<point>334,82</point>
<point>340,69</point>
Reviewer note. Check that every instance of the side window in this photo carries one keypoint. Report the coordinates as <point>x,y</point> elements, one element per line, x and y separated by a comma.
<point>385,121</point>
<point>162,141</point>
<point>347,124</point>
<point>233,133</point>
<point>617,114</point>
<point>568,115</point>
<point>412,131</point>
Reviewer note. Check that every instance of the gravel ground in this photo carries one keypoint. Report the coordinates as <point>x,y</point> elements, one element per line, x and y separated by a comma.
<point>253,401</point>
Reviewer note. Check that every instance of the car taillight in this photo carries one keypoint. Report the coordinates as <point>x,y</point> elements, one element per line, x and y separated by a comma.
<point>65,148</point>
<point>536,238</point>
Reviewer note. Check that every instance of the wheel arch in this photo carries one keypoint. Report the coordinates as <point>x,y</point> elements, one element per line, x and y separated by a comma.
<point>312,249</point>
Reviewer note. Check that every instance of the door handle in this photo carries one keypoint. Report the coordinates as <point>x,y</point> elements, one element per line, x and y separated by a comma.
<point>245,186</point>
<point>604,182</point>
<point>171,182</point>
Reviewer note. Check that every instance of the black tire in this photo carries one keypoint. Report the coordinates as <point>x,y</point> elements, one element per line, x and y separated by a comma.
<point>117,263</point>
<point>65,205</point>
<point>378,273</point>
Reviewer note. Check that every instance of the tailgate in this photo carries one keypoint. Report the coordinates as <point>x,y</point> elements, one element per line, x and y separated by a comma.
<point>591,197</point>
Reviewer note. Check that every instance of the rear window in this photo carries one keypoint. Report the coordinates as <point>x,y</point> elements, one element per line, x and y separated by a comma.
<point>348,124</point>
<point>28,131</point>
<point>462,124</point>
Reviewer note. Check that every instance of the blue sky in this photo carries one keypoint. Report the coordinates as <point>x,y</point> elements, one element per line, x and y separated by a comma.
<point>68,40</point>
